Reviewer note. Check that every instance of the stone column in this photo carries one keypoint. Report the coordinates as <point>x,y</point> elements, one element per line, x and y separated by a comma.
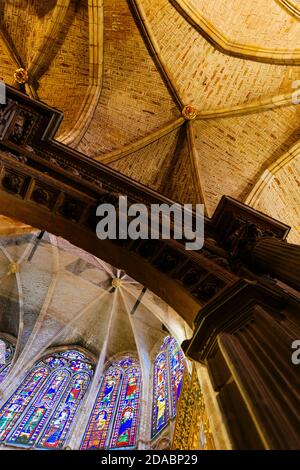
<point>245,338</point>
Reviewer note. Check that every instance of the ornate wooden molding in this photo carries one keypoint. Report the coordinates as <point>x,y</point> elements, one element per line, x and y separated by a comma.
<point>229,312</point>
<point>238,227</point>
<point>58,189</point>
<point>51,186</point>
<point>48,185</point>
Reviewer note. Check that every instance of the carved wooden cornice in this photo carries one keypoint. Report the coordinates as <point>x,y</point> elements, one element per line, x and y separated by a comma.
<point>238,227</point>
<point>51,186</point>
<point>230,312</point>
<point>58,189</point>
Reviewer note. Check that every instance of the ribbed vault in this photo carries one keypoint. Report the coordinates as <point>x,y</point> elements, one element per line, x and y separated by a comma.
<point>58,295</point>
<point>123,71</point>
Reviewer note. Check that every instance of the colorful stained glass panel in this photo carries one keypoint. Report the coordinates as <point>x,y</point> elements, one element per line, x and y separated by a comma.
<point>176,365</point>
<point>13,408</point>
<point>167,380</point>
<point>99,424</point>
<point>160,412</point>
<point>36,416</point>
<point>126,420</point>
<point>44,406</point>
<point>57,428</point>
<point>5,363</point>
<point>114,419</point>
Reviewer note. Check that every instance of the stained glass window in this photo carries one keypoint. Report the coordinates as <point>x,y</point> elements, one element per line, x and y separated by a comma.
<point>7,351</point>
<point>167,379</point>
<point>114,420</point>
<point>40,412</point>
<point>176,370</point>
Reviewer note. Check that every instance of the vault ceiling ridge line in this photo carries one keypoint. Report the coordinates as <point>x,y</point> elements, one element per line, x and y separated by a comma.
<point>21,317</point>
<point>14,55</point>
<point>27,250</point>
<point>155,310</point>
<point>15,264</point>
<point>140,143</point>
<point>42,57</point>
<point>105,266</point>
<point>47,300</point>
<point>252,107</point>
<point>230,47</point>
<point>21,363</point>
<point>93,93</point>
<point>21,302</point>
<point>289,6</point>
<point>194,160</point>
<point>149,38</point>
<point>75,439</point>
<point>85,282</point>
<point>10,47</point>
<point>6,253</point>
<point>133,328</point>
<point>51,340</point>
<point>268,174</point>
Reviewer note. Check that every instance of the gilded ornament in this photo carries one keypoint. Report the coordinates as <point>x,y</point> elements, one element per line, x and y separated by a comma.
<point>21,76</point>
<point>13,268</point>
<point>116,282</point>
<point>189,112</point>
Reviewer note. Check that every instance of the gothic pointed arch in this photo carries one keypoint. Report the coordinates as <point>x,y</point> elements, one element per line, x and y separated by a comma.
<point>168,369</point>
<point>7,351</point>
<point>40,412</point>
<point>114,421</point>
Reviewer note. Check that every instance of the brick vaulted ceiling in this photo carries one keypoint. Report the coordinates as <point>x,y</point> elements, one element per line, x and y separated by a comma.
<point>123,70</point>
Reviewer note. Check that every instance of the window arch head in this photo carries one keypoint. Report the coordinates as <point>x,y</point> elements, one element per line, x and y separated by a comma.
<point>167,379</point>
<point>7,350</point>
<point>40,412</point>
<point>113,423</point>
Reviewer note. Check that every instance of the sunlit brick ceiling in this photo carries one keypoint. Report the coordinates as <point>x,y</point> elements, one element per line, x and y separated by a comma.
<point>122,72</point>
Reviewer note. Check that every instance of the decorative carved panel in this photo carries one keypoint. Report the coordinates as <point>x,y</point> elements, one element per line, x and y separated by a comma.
<point>192,429</point>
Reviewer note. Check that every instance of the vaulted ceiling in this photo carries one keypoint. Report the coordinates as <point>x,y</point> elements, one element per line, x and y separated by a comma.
<point>53,293</point>
<point>123,71</point>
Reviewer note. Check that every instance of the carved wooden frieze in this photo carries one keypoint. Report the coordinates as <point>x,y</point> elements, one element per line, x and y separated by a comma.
<point>70,186</point>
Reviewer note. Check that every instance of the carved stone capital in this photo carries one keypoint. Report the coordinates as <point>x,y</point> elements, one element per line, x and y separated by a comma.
<point>229,312</point>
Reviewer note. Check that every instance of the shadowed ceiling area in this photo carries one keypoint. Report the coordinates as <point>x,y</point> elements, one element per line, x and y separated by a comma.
<point>192,98</point>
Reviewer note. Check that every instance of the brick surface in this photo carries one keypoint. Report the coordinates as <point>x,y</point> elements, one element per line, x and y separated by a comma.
<point>259,23</point>
<point>204,76</point>
<point>233,151</point>
<point>163,166</point>
<point>134,99</point>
